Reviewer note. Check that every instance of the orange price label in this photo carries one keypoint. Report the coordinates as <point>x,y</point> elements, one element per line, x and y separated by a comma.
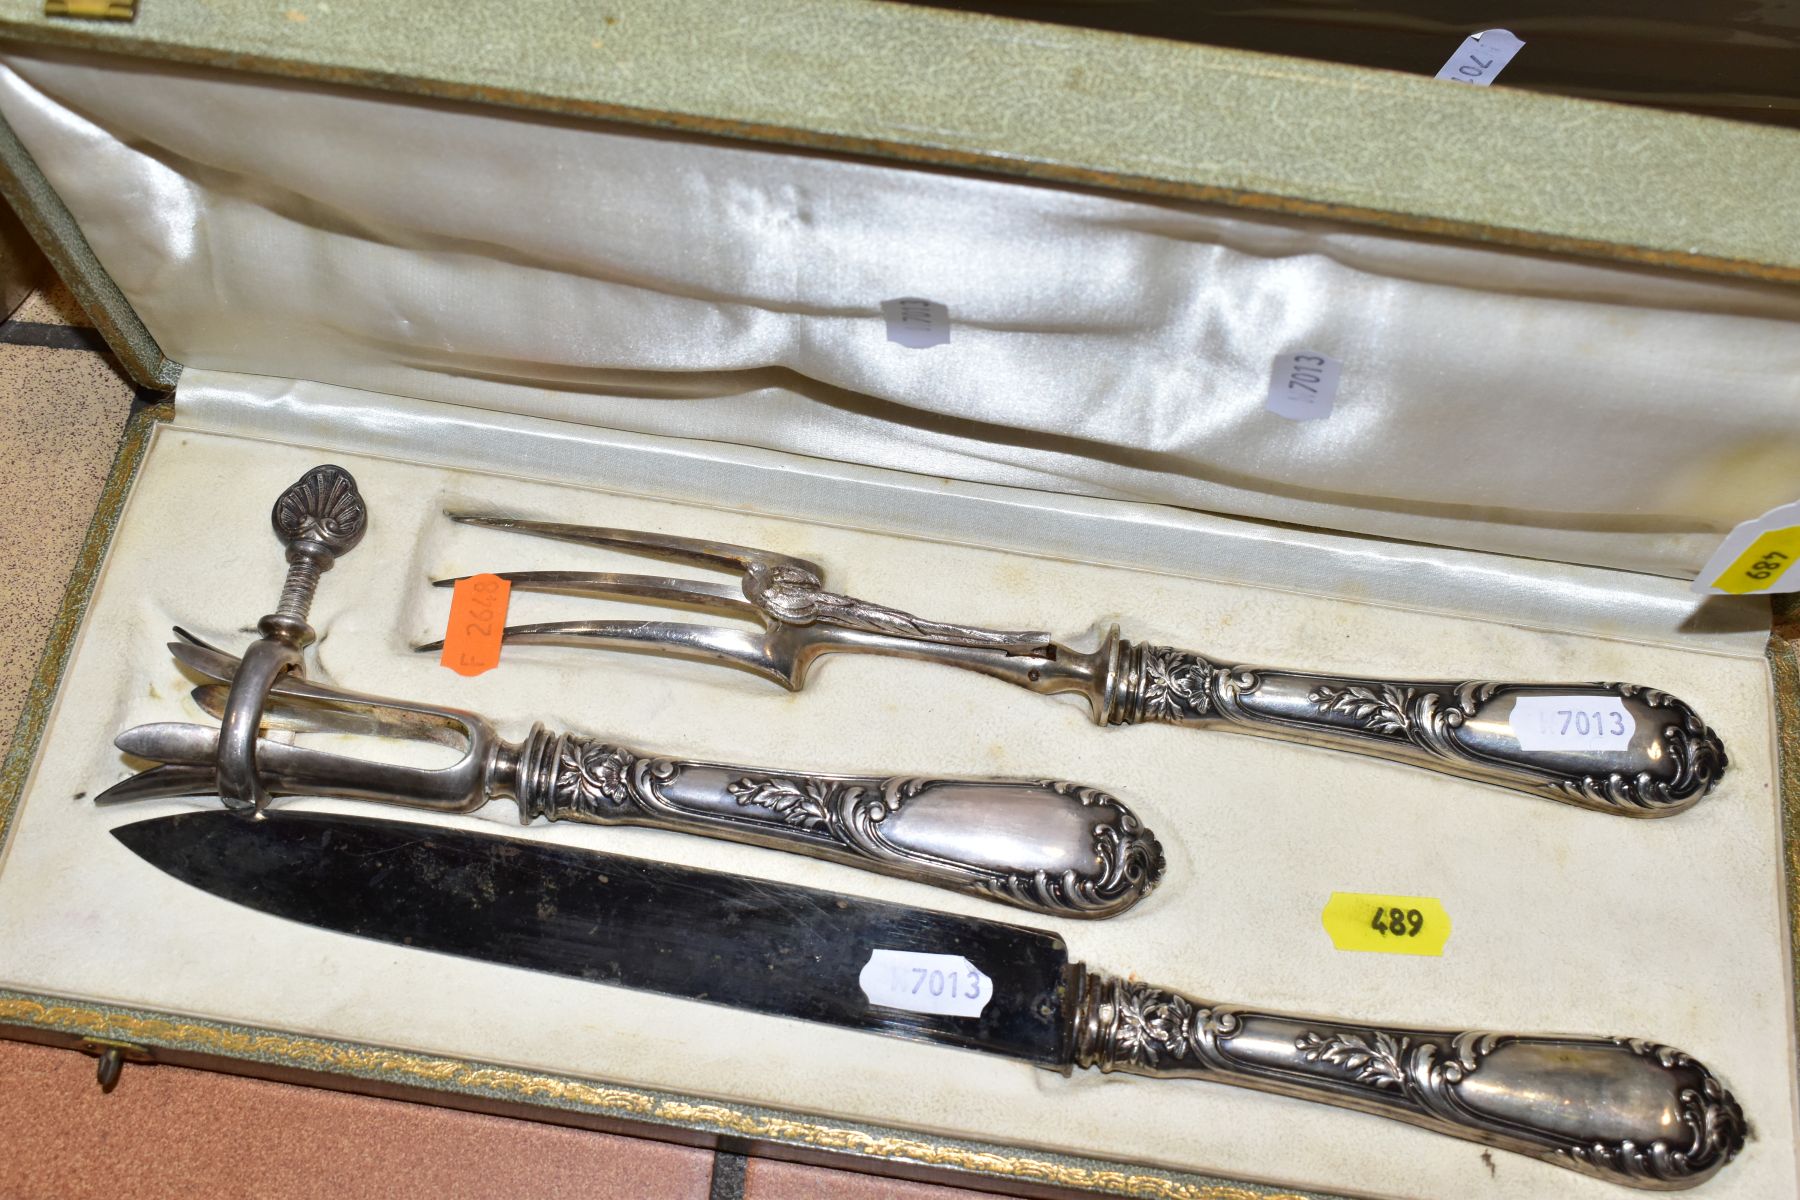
<point>477,614</point>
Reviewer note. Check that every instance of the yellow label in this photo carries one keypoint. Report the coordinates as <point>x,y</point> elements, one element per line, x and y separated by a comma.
<point>1758,567</point>
<point>1386,924</point>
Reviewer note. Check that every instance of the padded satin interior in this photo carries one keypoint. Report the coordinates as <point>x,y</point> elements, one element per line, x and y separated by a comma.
<point>1102,345</point>
<point>1564,920</point>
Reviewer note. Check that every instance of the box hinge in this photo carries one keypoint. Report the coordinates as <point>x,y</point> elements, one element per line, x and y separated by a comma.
<point>113,1056</point>
<point>92,10</point>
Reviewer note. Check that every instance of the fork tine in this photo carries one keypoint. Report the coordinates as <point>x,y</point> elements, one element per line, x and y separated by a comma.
<point>719,555</point>
<point>162,782</point>
<point>670,639</point>
<point>723,598</point>
<point>203,660</point>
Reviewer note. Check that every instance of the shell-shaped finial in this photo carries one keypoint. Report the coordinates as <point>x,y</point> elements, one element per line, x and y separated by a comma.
<point>323,507</point>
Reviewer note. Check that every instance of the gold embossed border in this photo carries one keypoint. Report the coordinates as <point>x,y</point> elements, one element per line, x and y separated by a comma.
<point>643,1109</point>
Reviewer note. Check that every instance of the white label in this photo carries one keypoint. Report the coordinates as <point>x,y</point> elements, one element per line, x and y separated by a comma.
<point>1302,386</point>
<point>947,985</point>
<point>1767,572</point>
<point>1480,57</point>
<point>1572,723</point>
<point>916,324</point>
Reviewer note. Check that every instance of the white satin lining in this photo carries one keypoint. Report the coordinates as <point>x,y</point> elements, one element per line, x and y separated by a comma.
<point>1556,598</point>
<point>1102,345</point>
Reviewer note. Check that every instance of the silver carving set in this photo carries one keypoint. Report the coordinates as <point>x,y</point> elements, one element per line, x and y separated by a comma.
<point>1053,847</point>
<point>1458,728</point>
<point>1627,1110</point>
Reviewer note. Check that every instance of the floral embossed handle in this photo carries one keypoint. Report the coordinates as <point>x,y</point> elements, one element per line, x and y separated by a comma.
<point>1616,747</point>
<point>1626,1110</point>
<point>1056,848</point>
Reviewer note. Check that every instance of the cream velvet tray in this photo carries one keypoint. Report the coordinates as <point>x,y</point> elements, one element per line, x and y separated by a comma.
<point>1564,920</point>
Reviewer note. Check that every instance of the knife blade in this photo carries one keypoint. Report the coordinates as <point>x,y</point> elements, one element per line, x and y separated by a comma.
<point>1627,1110</point>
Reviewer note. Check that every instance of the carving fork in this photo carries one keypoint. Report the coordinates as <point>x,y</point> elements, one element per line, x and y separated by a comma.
<point>1645,753</point>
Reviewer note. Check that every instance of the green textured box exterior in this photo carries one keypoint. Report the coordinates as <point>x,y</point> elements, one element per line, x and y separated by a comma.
<point>1074,105</point>
<point>885,80</point>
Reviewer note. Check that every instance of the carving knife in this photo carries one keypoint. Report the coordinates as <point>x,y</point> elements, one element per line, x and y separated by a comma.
<point>1627,1110</point>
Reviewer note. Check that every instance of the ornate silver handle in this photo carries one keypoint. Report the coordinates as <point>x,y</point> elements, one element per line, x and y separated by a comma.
<point>1052,847</point>
<point>1625,1110</point>
<point>1659,756</point>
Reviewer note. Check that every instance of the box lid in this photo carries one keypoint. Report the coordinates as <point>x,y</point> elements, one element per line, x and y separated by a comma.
<point>1554,186</point>
<point>1046,102</point>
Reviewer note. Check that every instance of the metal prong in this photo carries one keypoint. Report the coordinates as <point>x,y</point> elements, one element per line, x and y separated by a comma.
<point>204,661</point>
<point>719,555</point>
<point>300,770</point>
<point>674,639</point>
<point>180,742</point>
<point>196,640</point>
<point>372,719</point>
<point>162,783</point>
<point>723,598</point>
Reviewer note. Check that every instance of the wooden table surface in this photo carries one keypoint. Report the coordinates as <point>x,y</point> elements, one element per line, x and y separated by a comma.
<point>170,1132</point>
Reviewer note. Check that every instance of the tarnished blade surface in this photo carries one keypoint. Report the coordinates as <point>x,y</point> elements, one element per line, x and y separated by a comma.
<point>702,935</point>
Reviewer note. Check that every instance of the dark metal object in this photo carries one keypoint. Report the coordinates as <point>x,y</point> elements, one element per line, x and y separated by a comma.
<point>1625,1110</point>
<point>1052,847</point>
<point>106,1071</point>
<point>110,1058</point>
<point>1667,760</point>
<point>651,926</point>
